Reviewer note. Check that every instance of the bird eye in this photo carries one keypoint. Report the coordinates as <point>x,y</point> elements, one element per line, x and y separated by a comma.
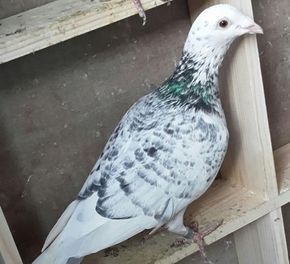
<point>223,23</point>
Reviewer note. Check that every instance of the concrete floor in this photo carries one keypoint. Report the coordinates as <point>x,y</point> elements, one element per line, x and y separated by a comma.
<point>59,106</point>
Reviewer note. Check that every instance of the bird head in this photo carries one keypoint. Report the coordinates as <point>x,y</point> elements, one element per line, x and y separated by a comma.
<point>218,26</point>
<point>211,35</point>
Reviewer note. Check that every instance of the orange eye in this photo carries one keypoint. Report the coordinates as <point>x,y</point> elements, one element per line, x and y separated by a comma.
<point>223,23</point>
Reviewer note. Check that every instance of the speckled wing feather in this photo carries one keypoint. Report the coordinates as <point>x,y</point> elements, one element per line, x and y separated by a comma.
<point>153,164</point>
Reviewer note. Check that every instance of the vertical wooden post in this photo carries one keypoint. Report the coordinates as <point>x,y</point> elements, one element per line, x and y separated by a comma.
<point>263,241</point>
<point>8,250</point>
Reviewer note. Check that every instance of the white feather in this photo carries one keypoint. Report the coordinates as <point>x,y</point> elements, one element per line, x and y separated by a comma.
<point>85,231</point>
<point>60,224</point>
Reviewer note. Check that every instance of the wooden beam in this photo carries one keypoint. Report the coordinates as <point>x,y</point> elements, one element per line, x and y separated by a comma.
<point>58,21</point>
<point>263,241</point>
<point>8,249</point>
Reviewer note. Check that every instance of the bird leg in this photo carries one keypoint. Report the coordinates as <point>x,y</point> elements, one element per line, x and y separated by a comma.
<point>197,237</point>
<point>140,10</point>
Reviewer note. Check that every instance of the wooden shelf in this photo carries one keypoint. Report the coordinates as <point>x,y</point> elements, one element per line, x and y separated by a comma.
<point>58,21</point>
<point>8,250</point>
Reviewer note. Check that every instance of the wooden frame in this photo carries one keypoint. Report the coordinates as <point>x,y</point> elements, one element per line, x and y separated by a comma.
<point>262,241</point>
<point>58,21</point>
<point>249,195</point>
<point>8,250</point>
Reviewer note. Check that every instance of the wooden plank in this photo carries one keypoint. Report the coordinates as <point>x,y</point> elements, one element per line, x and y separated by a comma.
<point>249,160</point>
<point>263,241</point>
<point>8,249</point>
<point>60,20</point>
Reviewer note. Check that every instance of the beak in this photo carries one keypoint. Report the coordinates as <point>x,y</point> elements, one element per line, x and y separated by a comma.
<point>254,29</point>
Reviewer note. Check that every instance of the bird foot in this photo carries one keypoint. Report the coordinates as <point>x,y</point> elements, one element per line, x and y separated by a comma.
<point>197,237</point>
<point>140,10</point>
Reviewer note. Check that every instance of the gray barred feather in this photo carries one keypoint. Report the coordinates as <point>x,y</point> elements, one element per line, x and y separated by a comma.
<point>158,160</point>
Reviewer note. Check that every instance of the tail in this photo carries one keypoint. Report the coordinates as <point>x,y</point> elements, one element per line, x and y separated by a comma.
<point>86,232</point>
<point>48,254</point>
<point>51,256</point>
<point>60,224</point>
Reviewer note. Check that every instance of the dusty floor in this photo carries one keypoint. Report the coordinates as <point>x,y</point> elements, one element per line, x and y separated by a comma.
<point>58,107</point>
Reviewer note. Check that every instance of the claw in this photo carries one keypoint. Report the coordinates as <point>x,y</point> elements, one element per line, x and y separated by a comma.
<point>168,2</point>
<point>197,237</point>
<point>140,10</point>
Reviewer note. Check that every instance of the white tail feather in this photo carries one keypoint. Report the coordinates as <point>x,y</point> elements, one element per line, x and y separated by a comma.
<point>111,233</point>
<point>51,256</point>
<point>60,224</point>
<point>104,236</point>
<point>82,231</point>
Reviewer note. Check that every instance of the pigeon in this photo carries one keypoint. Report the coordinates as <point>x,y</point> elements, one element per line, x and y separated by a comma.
<point>165,152</point>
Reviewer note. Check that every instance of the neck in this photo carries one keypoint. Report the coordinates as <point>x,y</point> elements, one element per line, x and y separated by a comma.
<point>193,84</point>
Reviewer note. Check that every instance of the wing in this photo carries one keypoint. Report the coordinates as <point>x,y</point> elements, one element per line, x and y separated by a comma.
<point>138,171</point>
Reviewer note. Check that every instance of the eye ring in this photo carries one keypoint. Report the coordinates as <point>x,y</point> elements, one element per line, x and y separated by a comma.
<point>223,23</point>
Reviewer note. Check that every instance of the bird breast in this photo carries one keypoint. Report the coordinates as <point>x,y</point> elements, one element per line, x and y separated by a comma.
<point>198,148</point>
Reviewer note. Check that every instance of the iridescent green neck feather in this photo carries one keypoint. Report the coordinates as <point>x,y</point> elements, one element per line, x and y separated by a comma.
<point>185,87</point>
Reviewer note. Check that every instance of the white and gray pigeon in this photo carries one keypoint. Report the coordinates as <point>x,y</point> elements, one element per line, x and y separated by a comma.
<point>165,152</point>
